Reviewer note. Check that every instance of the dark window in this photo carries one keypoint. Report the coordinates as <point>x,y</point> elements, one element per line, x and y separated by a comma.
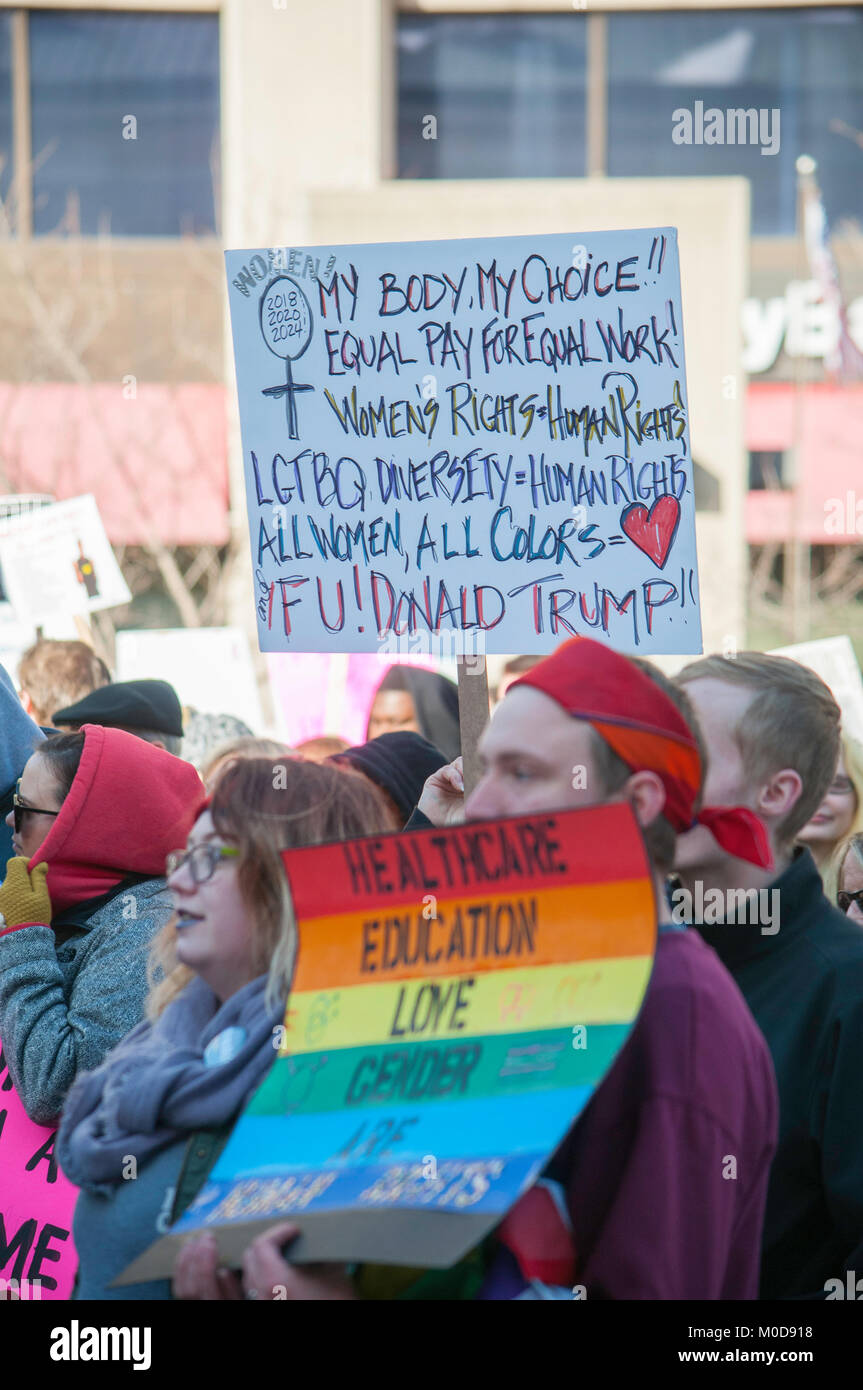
<point>483,97</point>
<point>766,470</point>
<point>97,80</point>
<point>807,63</point>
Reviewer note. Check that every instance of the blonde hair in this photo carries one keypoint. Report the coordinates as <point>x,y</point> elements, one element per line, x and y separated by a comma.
<point>851,842</point>
<point>852,756</point>
<point>56,674</point>
<point>264,808</point>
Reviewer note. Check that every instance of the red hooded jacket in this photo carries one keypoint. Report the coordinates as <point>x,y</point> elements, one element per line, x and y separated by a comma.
<point>129,806</point>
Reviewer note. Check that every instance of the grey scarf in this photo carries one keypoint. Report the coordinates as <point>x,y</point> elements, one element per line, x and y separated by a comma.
<point>156,1086</point>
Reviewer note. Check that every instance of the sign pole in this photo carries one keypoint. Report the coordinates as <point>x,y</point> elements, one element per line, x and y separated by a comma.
<point>89,634</point>
<point>472,713</point>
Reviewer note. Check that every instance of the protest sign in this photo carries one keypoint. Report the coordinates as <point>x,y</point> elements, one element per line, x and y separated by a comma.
<point>209,667</point>
<point>58,561</point>
<point>37,1257</point>
<point>482,443</point>
<point>833,659</point>
<point>458,996</point>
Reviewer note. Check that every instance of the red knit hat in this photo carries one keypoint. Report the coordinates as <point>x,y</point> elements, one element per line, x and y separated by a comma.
<point>647,732</point>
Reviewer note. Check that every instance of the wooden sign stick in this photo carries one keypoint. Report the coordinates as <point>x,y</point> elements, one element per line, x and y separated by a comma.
<point>84,631</point>
<point>88,634</point>
<point>472,713</point>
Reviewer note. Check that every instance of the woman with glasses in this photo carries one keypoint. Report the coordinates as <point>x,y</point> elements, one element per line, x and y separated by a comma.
<point>93,815</point>
<point>162,1105</point>
<point>848,867</point>
<point>839,815</point>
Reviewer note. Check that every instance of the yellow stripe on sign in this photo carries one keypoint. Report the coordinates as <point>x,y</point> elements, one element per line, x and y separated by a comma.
<point>511,1001</point>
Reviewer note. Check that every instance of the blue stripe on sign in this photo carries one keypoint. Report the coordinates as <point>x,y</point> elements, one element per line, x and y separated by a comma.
<point>461,1184</point>
<point>483,1127</point>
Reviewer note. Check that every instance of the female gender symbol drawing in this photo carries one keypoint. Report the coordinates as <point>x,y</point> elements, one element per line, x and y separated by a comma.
<point>286,326</point>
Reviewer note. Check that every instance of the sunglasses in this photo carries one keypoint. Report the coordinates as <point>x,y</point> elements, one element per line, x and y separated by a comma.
<point>20,809</point>
<point>844,900</point>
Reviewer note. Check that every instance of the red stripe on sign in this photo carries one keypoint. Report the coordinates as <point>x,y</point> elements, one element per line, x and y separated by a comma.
<point>599,844</point>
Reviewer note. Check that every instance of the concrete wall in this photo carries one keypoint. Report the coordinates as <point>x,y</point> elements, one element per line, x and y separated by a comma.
<point>307,105</point>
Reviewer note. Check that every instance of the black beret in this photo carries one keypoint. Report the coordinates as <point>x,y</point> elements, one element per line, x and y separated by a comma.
<point>128,705</point>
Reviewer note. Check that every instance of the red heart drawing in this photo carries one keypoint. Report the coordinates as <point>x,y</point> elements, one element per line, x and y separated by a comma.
<point>652,531</point>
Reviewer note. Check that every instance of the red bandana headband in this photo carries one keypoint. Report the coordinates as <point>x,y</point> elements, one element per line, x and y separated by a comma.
<point>647,732</point>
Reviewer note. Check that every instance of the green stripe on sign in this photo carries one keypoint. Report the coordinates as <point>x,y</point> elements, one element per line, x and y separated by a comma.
<point>509,1064</point>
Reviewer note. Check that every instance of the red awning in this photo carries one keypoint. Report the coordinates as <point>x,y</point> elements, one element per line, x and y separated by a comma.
<point>156,462</point>
<point>831,434</point>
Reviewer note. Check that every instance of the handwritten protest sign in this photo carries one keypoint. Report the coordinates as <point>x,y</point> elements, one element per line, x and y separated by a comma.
<point>483,442</point>
<point>458,996</point>
<point>58,560</point>
<point>37,1258</point>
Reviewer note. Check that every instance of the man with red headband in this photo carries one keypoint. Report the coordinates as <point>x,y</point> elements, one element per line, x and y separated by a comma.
<point>665,1173</point>
<point>658,1191</point>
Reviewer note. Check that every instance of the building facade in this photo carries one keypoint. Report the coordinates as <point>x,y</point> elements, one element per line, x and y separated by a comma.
<point>138,140</point>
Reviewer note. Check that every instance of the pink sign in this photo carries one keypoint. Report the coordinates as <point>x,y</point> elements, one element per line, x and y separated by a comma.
<point>329,693</point>
<point>36,1206</point>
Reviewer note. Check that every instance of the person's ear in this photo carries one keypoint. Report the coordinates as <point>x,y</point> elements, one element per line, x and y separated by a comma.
<point>645,792</point>
<point>778,796</point>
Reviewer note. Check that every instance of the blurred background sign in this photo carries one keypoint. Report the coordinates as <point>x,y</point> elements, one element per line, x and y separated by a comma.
<point>833,659</point>
<point>57,560</point>
<point>209,667</point>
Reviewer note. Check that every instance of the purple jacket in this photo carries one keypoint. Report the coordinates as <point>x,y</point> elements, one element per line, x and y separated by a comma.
<point>666,1170</point>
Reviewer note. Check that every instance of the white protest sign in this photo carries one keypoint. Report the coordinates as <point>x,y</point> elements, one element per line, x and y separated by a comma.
<point>483,444</point>
<point>833,659</point>
<point>209,667</point>
<point>58,561</point>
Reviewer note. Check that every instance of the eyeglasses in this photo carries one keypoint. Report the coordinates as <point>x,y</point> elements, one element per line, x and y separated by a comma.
<point>841,786</point>
<point>202,860</point>
<point>844,900</point>
<point>20,809</point>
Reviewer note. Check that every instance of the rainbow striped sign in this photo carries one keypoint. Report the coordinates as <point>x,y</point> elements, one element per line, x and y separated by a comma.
<point>459,995</point>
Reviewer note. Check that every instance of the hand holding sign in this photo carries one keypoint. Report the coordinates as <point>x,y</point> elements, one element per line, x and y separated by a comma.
<point>286,325</point>
<point>442,800</point>
<point>451,1052</point>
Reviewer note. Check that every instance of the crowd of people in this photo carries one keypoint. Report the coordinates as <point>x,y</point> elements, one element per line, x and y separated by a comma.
<point>147,947</point>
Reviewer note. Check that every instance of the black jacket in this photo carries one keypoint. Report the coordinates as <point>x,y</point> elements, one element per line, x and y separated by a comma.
<point>804,985</point>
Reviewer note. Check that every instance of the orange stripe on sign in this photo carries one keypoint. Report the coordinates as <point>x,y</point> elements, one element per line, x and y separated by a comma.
<point>503,931</point>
